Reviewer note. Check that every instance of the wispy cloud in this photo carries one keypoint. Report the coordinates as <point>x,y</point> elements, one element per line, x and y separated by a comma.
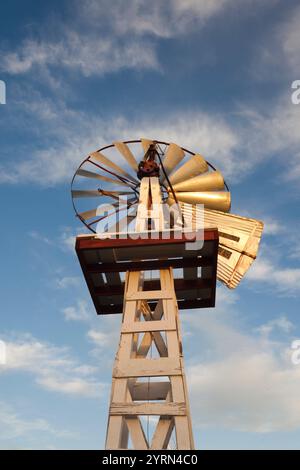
<point>38,236</point>
<point>65,239</point>
<point>88,55</point>
<point>116,36</point>
<point>272,226</point>
<point>237,144</point>
<point>75,138</point>
<point>283,280</point>
<point>158,19</point>
<point>242,381</point>
<point>107,334</point>
<point>103,37</point>
<point>282,324</point>
<point>79,312</point>
<point>13,424</point>
<point>67,281</point>
<point>237,141</point>
<point>278,52</point>
<point>253,392</point>
<point>289,36</point>
<point>53,367</point>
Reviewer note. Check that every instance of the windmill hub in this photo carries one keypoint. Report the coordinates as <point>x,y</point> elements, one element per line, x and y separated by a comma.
<point>149,166</point>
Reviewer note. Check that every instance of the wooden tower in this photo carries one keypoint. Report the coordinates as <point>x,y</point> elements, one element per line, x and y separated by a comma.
<point>149,276</point>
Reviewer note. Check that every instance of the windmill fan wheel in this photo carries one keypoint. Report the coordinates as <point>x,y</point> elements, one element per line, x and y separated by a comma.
<point>113,173</point>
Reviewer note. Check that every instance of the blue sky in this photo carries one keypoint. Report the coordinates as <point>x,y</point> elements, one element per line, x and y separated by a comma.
<point>214,76</point>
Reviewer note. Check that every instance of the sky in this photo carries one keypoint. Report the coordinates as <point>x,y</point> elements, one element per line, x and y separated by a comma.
<point>213,76</point>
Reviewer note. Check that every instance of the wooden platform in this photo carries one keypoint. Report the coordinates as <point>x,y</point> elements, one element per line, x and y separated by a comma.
<point>105,261</point>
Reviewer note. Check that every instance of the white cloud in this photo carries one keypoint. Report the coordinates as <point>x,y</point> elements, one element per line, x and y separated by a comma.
<point>13,425</point>
<point>289,35</point>
<point>272,226</point>
<point>237,142</point>
<point>115,36</point>
<point>202,10</point>
<point>107,335</point>
<point>74,138</point>
<point>38,236</point>
<point>67,281</point>
<point>252,392</point>
<point>242,382</point>
<point>99,337</point>
<point>282,279</point>
<point>237,146</point>
<point>272,132</point>
<point>52,367</point>
<point>281,323</point>
<point>167,19</point>
<point>101,37</point>
<point>88,54</point>
<point>80,312</point>
<point>67,239</point>
<point>279,51</point>
<point>161,19</point>
<point>76,386</point>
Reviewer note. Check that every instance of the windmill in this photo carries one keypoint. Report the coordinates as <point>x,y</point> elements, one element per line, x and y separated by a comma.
<point>149,257</point>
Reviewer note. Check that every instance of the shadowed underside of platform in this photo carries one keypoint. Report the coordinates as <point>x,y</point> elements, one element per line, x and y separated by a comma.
<point>105,261</point>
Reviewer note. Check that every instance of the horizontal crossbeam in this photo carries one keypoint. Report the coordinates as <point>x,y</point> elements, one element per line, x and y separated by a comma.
<point>145,265</point>
<point>140,409</point>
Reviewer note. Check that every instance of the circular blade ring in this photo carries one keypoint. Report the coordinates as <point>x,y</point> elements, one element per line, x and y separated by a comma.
<point>188,172</point>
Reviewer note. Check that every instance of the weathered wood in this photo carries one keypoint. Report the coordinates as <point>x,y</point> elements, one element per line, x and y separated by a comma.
<point>172,396</point>
<point>144,254</point>
<point>136,433</point>
<point>147,342</point>
<point>162,434</point>
<point>153,316</point>
<point>239,238</point>
<point>149,295</point>
<point>147,368</point>
<point>160,325</point>
<point>148,409</point>
<point>142,211</point>
<point>158,216</point>
<point>154,335</point>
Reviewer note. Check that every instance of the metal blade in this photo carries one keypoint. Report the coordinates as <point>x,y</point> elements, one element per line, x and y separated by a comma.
<point>117,194</point>
<point>173,157</point>
<point>88,214</point>
<point>114,193</point>
<point>91,174</point>
<point>218,200</point>
<point>114,227</point>
<point>127,154</point>
<point>193,167</point>
<point>86,193</point>
<point>208,182</point>
<point>97,193</point>
<point>146,144</point>
<point>93,212</point>
<point>105,161</point>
